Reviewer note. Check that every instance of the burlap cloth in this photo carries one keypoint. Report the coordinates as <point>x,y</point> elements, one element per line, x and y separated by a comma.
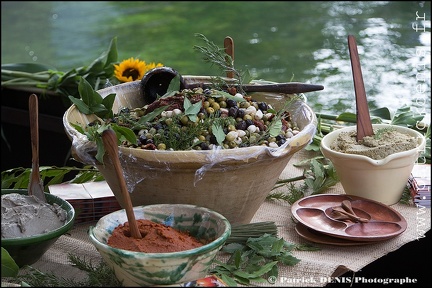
<point>314,268</point>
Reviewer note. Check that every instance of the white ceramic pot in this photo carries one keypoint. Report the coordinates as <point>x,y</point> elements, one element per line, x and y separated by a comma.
<point>380,180</point>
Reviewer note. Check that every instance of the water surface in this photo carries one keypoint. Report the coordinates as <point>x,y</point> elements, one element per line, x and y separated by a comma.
<point>278,41</point>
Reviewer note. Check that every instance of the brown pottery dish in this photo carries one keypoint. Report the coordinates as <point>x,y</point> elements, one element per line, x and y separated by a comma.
<point>321,213</point>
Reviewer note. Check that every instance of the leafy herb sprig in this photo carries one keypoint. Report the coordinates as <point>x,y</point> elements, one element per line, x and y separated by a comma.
<point>319,173</point>
<point>100,275</point>
<point>216,56</point>
<point>63,83</point>
<point>257,260</point>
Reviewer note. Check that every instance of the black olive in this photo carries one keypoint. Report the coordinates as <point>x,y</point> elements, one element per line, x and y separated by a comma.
<point>204,146</point>
<point>263,106</point>
<point>249,122</point>
<point>241,125</point>
<point>281,142</point>
<point>231,103</point>
<point>143,139</point>
<point>241,113</point>
<point>232,112</point>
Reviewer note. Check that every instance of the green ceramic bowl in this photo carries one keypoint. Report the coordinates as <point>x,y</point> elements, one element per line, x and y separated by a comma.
<point>28,250</point>
<point>149,269</point>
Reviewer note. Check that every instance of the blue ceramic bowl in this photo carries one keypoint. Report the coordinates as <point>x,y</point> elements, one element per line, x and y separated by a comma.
<point>149,269</point>
<point>28,250</point>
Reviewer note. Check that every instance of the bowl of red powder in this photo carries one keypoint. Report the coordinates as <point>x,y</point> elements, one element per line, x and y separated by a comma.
<point>178,243</point>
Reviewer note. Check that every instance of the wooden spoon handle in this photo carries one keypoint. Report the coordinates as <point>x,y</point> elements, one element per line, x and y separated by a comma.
<point>35,186</point>
<point>364,124</point>
<point>229,49</point>
<point>109,139</point>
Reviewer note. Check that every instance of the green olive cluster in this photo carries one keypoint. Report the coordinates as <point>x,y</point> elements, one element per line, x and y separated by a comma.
<point>230,121</point>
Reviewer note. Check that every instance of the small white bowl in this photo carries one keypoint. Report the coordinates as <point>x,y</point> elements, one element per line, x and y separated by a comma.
<point>381,180</point>
<point>150,269</point>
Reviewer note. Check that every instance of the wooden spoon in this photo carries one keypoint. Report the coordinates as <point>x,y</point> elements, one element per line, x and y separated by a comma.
<point>229,49</point>
<point>346,204</point>
<point>35,186</point>
<point>109,139</point>
<point>364,124</point>
<point>353,217</point>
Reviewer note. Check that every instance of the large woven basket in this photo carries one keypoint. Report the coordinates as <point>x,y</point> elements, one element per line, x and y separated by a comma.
<point>233,182</point>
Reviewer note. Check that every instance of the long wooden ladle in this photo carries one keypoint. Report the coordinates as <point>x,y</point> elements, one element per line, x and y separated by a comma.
<point>364,124</point>
<point>109,139</point>
<point>35,186</point>
<point>156,82</point>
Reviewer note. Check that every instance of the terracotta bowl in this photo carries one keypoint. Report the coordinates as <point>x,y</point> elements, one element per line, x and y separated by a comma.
<point>28,250</point>
<point>150,269</point>
<point>380,180</point>
<point>233,182</point>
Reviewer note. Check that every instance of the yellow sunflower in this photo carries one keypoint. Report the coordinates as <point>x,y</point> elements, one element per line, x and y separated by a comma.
<point>132,69</point>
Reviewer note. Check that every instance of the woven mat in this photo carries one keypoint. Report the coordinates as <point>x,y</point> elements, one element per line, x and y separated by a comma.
<point>315,267</point>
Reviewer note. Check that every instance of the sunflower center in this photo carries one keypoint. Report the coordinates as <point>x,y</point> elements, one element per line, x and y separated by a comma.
<point>131,72</point>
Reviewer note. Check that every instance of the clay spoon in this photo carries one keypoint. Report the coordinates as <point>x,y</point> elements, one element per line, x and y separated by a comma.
<point>109,139</point>
<point>156,82</point>
<point>35,186</point>
<point>364,124</point>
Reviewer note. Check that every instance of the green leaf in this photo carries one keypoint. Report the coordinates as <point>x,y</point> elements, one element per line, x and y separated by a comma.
<point>264,269</point>
<point>275,128</point>
<point>174,85</point>
<point>108,102</point>
<point>104,60</point>
<point>347,117</point>
<point>383,113</point>
<point>237,259</point>
<point>287,259</point>
<point>278,246</point>
<point>219,93</point>
<point>87,93</point>
<point>232,247</point>
<point>82,107</point>
<point>112,55</point>
<point>405,117</point>
<point>230,282</point>
<point>99,109</point>
<point>124,133</point>
<point>191,109</point>
<point>8,266</point>
<point>27,67</point>
<point>100,150</point>
<point>150,116</point>
<point>218,132</point>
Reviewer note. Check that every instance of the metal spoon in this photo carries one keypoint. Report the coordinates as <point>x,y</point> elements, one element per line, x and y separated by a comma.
<point>35,186</point>
<point>109,139</point>
<point>156,82</point>
<point>364,124</point>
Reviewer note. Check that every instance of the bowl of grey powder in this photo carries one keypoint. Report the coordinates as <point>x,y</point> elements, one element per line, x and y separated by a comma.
<point>30,226</point>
